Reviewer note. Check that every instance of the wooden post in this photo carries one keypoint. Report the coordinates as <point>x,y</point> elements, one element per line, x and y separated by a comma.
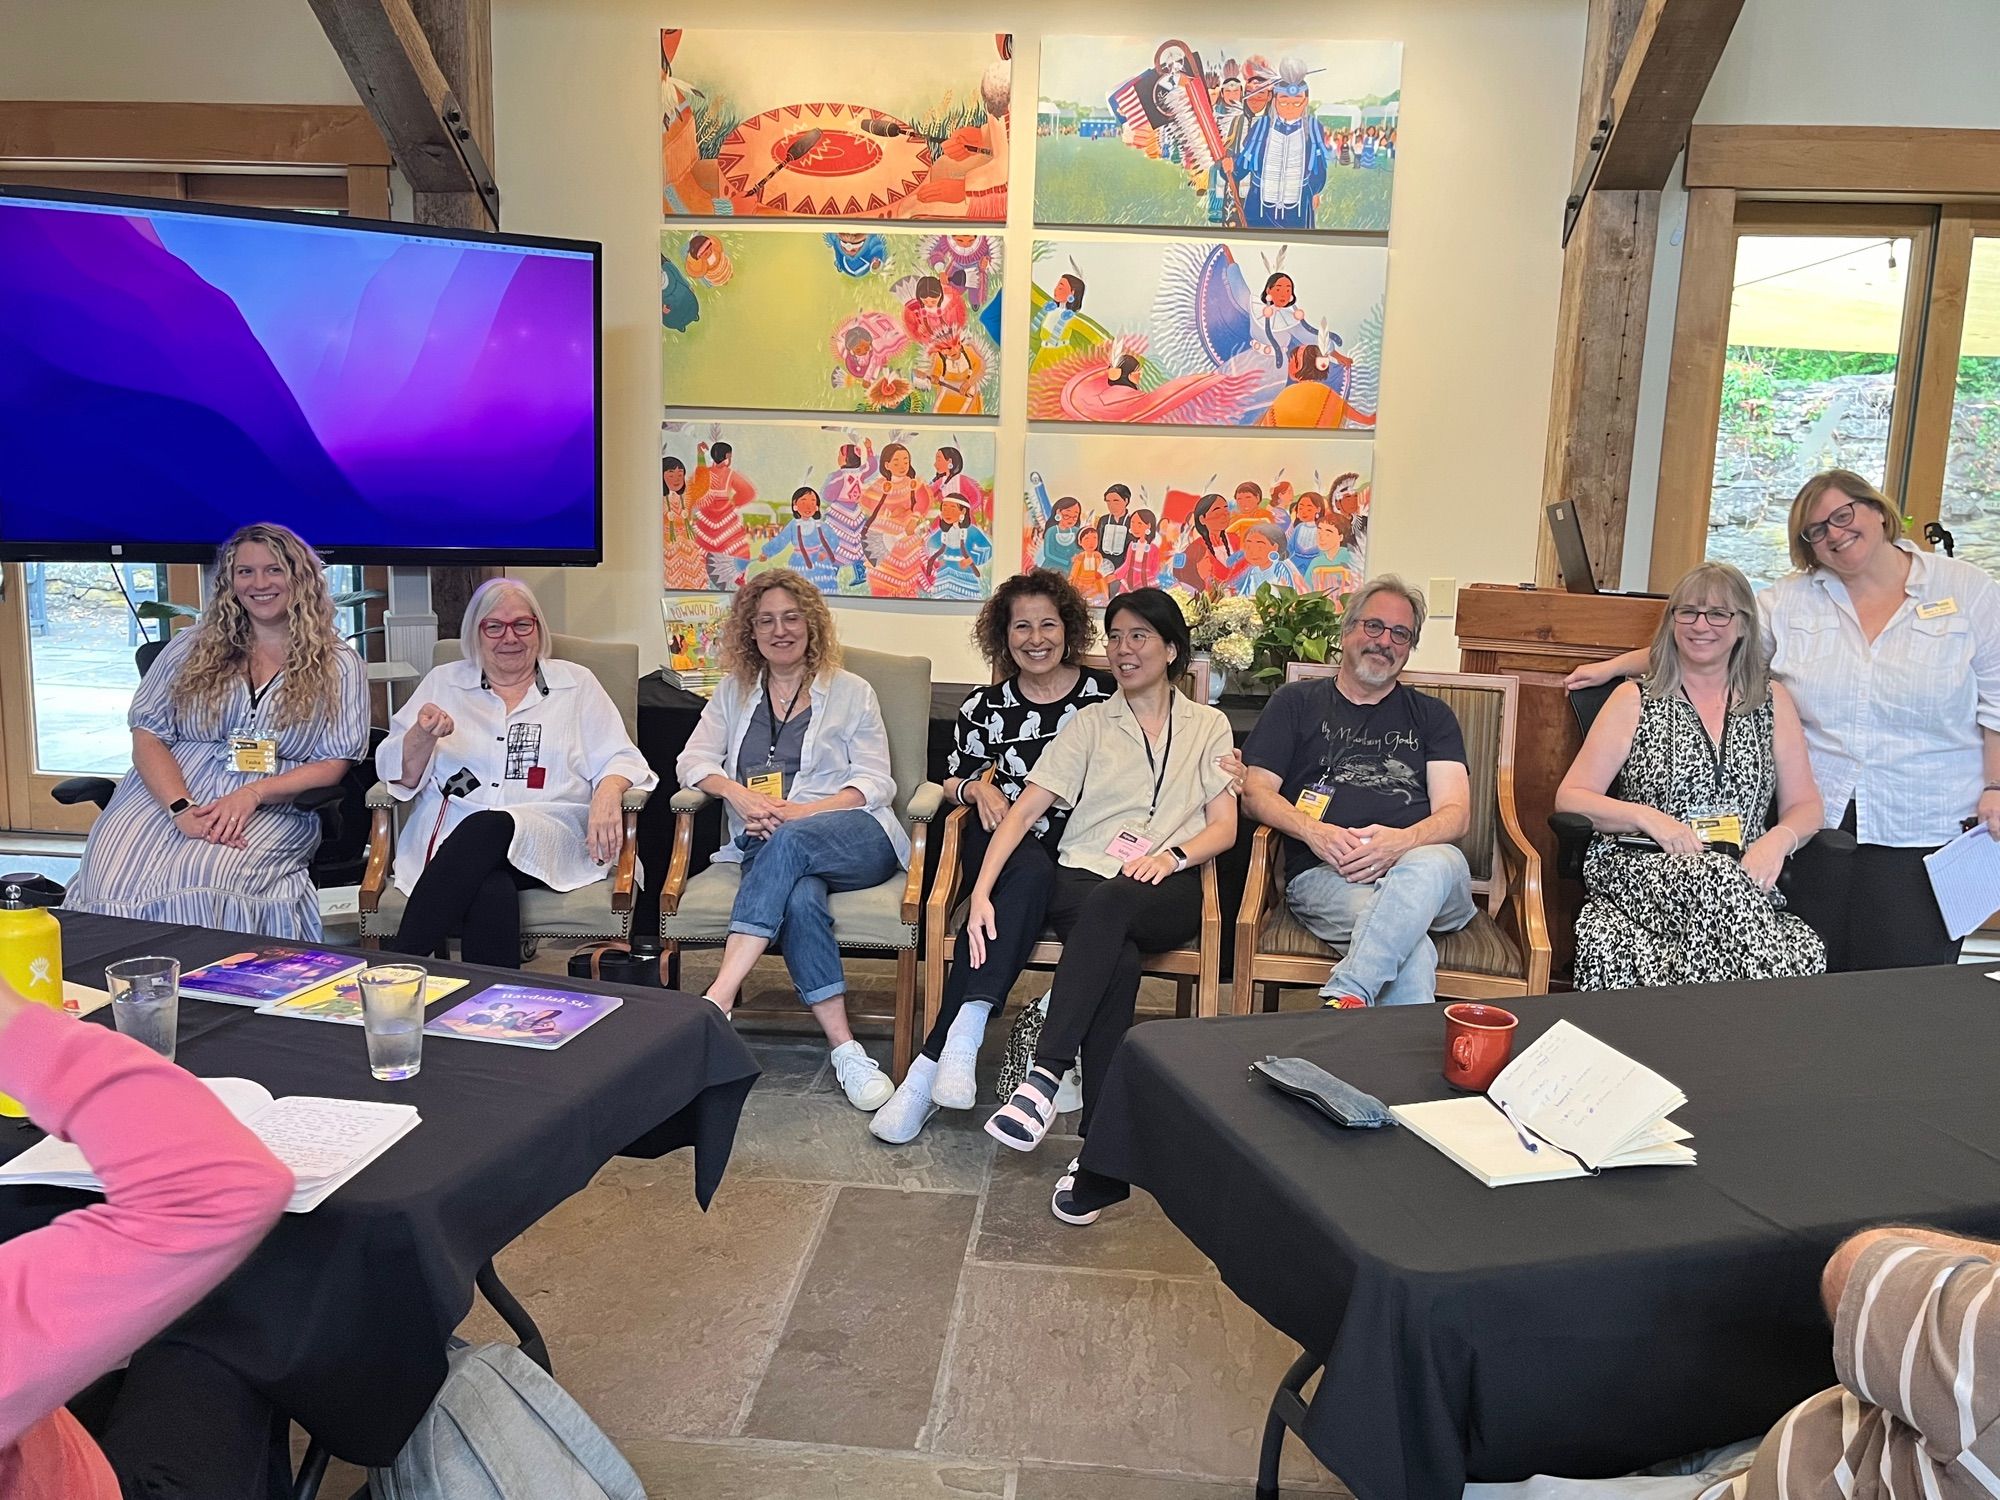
<point>1646,65</point>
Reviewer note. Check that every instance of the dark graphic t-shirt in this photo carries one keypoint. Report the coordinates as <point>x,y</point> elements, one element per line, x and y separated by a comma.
<point>1373,756</point>
<point>997,726</point>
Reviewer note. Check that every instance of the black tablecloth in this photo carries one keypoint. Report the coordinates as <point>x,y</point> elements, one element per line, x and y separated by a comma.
<point>1585,1327</point>
<point>341,1315</point>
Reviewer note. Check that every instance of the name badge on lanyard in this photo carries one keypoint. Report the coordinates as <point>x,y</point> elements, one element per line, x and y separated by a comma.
<point>769,783</point>
<point>1129,843</point>
<point>253,755</point>
<point>1314,800</point>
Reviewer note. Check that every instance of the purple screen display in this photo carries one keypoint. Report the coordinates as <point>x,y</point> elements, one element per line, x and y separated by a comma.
<point>167,377</point>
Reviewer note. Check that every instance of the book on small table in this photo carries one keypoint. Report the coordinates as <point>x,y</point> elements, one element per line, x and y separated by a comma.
<point>325,1142</point>
<point>266,974</point>
<point>519,1015</point>
<point>1569,1106</point>
<point>340,1002</point>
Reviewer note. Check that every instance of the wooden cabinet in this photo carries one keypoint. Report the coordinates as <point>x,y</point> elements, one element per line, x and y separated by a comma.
<point>1538,635</point>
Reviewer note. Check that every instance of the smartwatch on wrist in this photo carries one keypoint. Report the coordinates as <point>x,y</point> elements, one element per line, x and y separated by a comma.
<point>178,806</point>
<point>1180,857</point>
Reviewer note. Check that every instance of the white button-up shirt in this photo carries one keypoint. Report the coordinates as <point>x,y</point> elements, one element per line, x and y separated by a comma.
<point>1894,724</point>
<point>541,763</point>
<point>846,745</point>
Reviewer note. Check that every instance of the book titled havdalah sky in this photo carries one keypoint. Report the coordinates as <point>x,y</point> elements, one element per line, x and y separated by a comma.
<point>262,975</point>
<point>517,1015</point>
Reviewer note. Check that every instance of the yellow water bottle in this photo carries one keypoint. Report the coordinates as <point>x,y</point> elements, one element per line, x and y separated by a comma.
<point>30,959</point>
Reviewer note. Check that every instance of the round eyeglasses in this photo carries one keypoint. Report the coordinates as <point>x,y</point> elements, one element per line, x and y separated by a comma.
<point>1375,629</point>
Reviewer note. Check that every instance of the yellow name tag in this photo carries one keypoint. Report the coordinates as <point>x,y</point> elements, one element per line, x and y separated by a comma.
<point>253,756</point>
<point>770,783</point>
<point>1726,829</point>
<point>1313,801</point>
<point>1936,608</point>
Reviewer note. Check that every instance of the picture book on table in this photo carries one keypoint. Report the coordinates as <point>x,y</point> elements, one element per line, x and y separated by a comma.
<point>520,1016</point>
<point>340,1002</point>
<point>260,976</point>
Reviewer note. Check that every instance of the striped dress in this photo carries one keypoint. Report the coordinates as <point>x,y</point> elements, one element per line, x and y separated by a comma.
<point>138,864</point>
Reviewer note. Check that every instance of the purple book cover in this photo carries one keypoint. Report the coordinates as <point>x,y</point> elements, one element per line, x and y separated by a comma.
<point>258,976</point>
<point>519,1016</point>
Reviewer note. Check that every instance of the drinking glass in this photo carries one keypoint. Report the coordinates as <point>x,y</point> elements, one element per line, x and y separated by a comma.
<point>392,1010</point>
<point>146,1000</point>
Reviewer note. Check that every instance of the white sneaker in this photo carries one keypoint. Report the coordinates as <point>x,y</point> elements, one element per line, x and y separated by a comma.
<point>866,1085</point>
<point>1070,1096</point>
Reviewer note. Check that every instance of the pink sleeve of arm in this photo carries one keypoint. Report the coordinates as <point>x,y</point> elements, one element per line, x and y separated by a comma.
<point>189,1192</point>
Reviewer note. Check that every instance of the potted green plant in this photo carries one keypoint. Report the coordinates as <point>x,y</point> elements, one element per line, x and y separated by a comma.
<point>1292,625</point>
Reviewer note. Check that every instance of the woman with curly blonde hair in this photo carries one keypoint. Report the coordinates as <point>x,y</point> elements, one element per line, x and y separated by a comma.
<point>796,750</point>
<point>260,701</point>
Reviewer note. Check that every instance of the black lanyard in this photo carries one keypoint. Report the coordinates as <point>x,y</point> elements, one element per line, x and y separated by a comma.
<point>1718,754</point>
<point>258,694</point>
<point>777,724</point>
<point>1166,754</point>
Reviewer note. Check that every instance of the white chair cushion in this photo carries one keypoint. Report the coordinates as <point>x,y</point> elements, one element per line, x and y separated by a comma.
<point>582,913</point>
<point>871,918</point>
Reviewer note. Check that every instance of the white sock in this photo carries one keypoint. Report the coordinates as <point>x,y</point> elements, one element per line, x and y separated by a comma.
<point>968,1027</point>
<point>918,1079</point>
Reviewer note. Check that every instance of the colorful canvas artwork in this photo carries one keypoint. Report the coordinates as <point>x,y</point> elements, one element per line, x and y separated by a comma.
<point>1253,132</point>
<point>849,320</point>
<point>1222,333</point>
<point>1117,513</point>
<point>864,512</point>
<point>835,124</point>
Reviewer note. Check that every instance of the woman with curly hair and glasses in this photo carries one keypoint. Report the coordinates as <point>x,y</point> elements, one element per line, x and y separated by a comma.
<point>1031,633</point>
<point>261,700</point>
<point>796,750</point>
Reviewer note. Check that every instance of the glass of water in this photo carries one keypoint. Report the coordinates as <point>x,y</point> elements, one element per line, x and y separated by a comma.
<point>392,1008</point>
<point>146,1000</point>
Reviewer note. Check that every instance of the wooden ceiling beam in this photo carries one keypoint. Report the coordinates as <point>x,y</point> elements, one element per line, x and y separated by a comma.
<point>389,57</point>
<point>1667,70</point>
<point>193,135</point>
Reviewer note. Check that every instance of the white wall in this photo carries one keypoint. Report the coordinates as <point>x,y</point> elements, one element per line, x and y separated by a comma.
<point>1475,269</point>
<point>173,51</point>
<point>1812,62</point>
<point>1475,266</point>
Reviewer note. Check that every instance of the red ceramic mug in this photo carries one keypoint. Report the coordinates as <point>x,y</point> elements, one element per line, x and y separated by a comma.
<point>1477,1042</point>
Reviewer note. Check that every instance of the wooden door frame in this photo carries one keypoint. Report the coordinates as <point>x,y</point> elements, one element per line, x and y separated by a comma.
<point>1757,178</point>
<point>327,157</point>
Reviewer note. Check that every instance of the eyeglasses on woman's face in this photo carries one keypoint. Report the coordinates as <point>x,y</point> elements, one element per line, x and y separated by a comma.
<point>788,621</point>
<point>496,630</point>
<point>1375,629</point>
<point>1689,614</point>
<point>1842,518</point>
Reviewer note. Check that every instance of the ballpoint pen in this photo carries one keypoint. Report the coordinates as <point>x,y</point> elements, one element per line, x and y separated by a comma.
<point>1520,1130</point>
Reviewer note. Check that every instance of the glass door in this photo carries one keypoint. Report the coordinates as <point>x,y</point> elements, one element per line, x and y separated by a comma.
<point>1969,508</point>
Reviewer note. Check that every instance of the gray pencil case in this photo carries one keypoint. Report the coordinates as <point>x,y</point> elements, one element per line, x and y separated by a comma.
<point>1340,1101</point>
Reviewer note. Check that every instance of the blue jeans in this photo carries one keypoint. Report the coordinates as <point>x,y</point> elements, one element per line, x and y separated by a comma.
<point>787,878</point>
<point>1386,924</point>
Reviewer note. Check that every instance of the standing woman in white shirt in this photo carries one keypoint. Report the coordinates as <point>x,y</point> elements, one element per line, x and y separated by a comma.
<point>515,766</point>
<point>796,750</point>
<point>1892,656</point>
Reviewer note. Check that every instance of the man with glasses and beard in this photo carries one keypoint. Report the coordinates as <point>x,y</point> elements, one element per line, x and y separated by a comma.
<point>1366,781</point>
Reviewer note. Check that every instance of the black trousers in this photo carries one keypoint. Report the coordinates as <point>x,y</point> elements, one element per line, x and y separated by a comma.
<point>470,892</point>
<point>1020,909</point>
<point>1873,907</point>
<point>176,1425</point>
<point>1097,979</point>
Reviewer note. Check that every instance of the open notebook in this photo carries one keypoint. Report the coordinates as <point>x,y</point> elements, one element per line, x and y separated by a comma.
<point>1568,1106</point>
<point>324,1141</point>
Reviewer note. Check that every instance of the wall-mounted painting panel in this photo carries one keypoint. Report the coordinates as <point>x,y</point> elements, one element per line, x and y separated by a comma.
<point>1219,518</point>
<point>835,124</point>
<point>841,320</point>
<point>868,512</point>
<point>1218,333</point>
<point>1244,132</point>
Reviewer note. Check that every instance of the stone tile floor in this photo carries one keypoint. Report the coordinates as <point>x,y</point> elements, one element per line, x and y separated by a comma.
<point>853,1321</point>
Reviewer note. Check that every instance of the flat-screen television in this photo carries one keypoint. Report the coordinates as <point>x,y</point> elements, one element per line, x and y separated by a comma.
<point>171,371</point>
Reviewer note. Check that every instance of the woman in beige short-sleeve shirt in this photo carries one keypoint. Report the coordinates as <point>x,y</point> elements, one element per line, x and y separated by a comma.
<point>1149,805</point>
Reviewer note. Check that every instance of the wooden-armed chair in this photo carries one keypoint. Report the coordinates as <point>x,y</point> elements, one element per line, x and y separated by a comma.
<point>1196,971</point>
<point>598,912</point>
<point>1503,952</point>
<point>879,921</point>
